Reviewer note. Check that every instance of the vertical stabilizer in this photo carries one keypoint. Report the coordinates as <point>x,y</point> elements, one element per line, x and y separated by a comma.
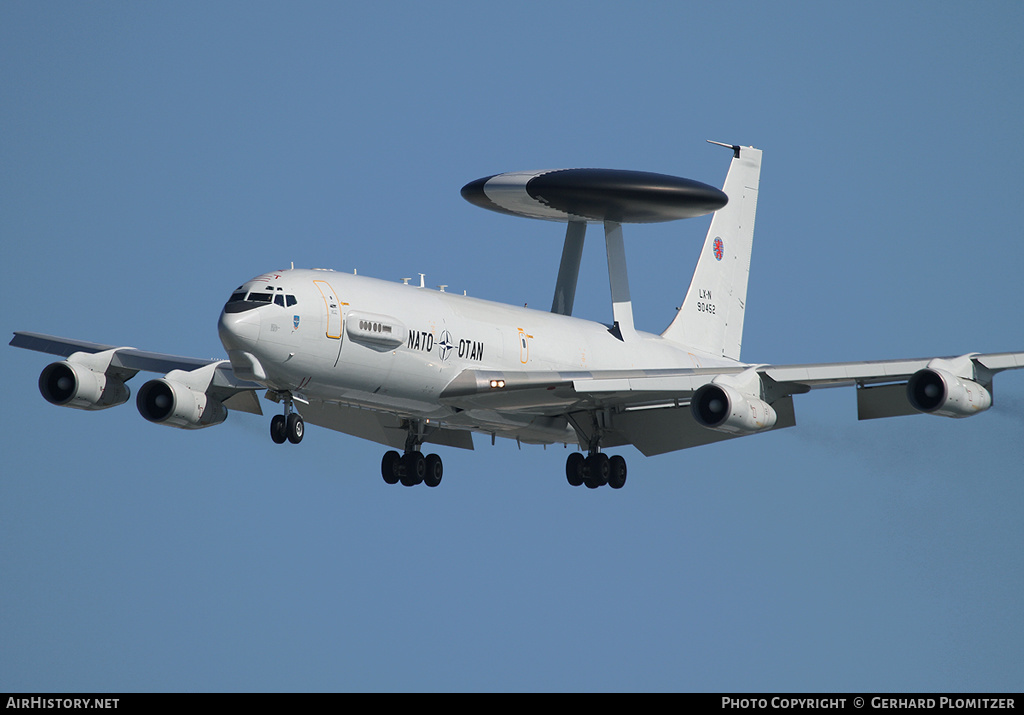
<point>711,317</point>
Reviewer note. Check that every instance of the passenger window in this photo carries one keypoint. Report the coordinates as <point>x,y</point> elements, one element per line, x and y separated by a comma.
<point>279,299</point>
<point>291,300</point>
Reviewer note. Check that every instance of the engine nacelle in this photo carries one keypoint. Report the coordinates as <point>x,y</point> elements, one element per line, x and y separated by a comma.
<point>725,409</point>
<point>937,392</point>
<point>70,385</point>
<point>166,402</point>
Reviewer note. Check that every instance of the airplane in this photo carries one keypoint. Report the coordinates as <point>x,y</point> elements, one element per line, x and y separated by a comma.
<point>406,366</point>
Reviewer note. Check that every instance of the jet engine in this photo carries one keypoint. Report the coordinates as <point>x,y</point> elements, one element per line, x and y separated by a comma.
<point>937,392</point>
<point>75,385</point>
<point>726,409</point>
<point>167,402</point>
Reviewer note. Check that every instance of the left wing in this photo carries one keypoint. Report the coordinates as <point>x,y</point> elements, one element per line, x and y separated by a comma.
<point>663,410</point>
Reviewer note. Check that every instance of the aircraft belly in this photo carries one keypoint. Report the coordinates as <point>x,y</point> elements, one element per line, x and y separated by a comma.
<point>532,429</point>
<point>542,402</point>
<point>377,426</point>
<point>421,409</point>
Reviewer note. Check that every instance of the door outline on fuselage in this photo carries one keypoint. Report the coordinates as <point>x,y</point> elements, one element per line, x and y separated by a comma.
<point>335,321</point>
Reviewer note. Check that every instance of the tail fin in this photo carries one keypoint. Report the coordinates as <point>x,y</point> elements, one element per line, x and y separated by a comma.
<point>711,317</point>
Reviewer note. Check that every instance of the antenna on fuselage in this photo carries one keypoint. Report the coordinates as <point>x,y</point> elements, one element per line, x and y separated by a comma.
<point>607,196</point>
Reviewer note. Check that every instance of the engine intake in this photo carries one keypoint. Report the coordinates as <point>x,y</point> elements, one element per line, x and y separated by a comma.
<point>166,402</point>
<point>725,409</point>
<point>937,392</point>
<point>69,385</point>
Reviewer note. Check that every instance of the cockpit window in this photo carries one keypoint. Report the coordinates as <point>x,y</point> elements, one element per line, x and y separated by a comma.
<point>240,301</point>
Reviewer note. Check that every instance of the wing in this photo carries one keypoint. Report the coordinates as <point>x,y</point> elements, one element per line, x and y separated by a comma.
<point>663,410</point>
<point>116,365</point>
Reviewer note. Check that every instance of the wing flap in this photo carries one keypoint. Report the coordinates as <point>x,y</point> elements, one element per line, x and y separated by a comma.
<point>244,401</point>
<point>883,401</point>
<point>668,384</point>
<point>669,429</point>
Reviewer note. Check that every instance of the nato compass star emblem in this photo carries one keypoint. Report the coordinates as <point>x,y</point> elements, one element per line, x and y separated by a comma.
<point>445,346</point>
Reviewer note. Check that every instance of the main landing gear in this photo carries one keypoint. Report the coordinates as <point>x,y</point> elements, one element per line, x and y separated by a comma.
<point>595,470</point>
<point>288,426</point>
<point>412,468</point>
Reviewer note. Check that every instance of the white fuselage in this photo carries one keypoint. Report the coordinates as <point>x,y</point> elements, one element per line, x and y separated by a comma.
<point>365,342</point>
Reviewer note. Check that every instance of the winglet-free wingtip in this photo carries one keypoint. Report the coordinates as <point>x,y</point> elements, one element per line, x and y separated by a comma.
<point>735,148</point>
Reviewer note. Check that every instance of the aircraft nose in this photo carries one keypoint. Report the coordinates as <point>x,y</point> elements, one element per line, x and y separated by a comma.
<point>239,331</point>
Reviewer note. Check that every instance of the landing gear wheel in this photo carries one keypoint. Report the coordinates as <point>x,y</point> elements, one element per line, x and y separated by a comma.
<point>415,468</point>
<point>575,469</point>
<point>296,427</point>
<point>390,467</point>
<point>598,469</point>
<point>616,472</point>
<point>277,429</point>
<point>434,469</point>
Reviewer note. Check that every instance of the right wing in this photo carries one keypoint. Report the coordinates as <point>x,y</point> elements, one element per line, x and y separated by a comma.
<point>95,374</point>
<point>654,411</point>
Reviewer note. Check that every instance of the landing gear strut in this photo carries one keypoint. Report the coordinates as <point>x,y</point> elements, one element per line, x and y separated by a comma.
<point>412,468</point>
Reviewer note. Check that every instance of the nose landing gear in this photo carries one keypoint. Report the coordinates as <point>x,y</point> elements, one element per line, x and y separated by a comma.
<point>288,426</point>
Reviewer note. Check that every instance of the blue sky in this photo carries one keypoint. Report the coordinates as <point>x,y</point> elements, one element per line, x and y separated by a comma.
<point>153,157</point>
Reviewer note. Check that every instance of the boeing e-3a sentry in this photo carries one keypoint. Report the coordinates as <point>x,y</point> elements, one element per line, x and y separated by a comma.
<point>405,366</point>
